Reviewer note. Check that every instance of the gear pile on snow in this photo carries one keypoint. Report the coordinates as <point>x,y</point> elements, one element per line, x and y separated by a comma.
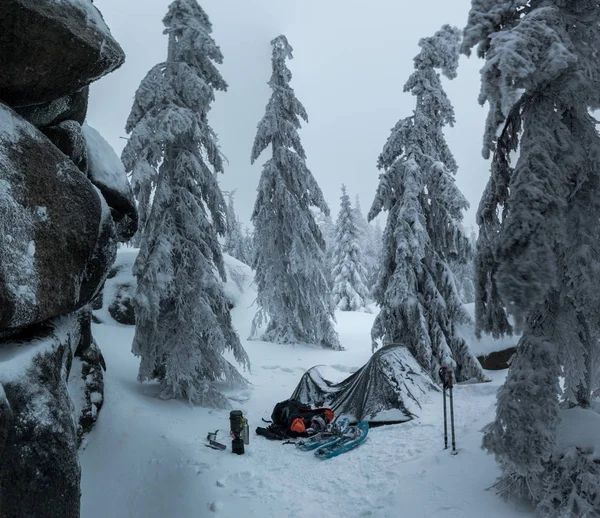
<point>387,390</point>
<point>337,438</point>
<point>291,419</point>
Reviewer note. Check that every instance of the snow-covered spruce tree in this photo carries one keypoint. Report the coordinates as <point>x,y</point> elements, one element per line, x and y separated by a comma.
<point>235,241</point>
<point>540,260</point>
<point>143,174</point>
<point>370,245</point>
<point>248,247</point>
<point>327,228</point>
<point>293,293</point>
<point>349,290</point>
<point>416,290</point>
<point>183,325</point>
<point>465,274</point>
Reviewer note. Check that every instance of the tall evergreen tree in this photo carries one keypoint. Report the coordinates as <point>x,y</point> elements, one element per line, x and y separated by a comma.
<point>230,216</point>
<point>416,290</point>
<point>293,293</point>
<point>349,290</point>
<point>183,325</point>
<point>143,157</point>
<point>248,246</point>
<point>143,174</point>
<point>465,274</point>
<point>370,244</point>
<point>327,228</point>
<point>540,260</point>
<point>235,241</point>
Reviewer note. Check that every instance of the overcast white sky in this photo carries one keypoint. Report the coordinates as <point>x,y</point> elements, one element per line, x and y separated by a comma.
<point>351,60</point>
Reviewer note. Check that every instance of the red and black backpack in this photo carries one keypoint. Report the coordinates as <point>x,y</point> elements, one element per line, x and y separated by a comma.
<point>291,419</point>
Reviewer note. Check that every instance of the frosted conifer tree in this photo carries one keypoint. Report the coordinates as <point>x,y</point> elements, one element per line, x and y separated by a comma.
<point>142,157</point>
<point>230,216</point>
<point>465,274</point>
<point>327,228</point>
<point>248,247</point>
<point>416,290</point>
<point>349,290</point>
<point>183,325</point>
<point>293,293</point>
<point>143,176</point>
<point>235,242</point>
<point>540,260</point>
<point>370,244</point>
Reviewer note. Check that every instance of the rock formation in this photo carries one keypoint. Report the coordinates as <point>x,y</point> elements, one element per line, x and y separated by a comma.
<point>497,360</point>
<point>63,208</point>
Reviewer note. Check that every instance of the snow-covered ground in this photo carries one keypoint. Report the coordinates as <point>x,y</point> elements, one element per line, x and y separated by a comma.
<point>147,457</point>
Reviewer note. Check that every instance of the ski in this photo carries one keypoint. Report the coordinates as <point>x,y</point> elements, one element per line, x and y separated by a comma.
<point>353,437</point>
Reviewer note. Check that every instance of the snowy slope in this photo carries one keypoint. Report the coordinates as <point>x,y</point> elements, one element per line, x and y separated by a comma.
<point>147,458</point>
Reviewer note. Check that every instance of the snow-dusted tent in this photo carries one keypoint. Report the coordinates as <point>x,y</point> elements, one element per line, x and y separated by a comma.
<point>388,389</point>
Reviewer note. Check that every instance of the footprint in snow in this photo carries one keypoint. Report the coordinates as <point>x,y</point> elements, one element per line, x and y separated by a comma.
<point>215,506</point>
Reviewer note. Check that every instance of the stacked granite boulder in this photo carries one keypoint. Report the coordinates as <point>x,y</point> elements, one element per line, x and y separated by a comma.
<point>61,216</point>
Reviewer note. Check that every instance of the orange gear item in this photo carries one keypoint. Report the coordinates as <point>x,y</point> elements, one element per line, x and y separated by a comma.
<point>298,425</point>
<point>329,414</point>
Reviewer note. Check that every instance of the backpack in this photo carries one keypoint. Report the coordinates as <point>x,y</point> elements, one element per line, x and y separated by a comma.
<point>291,419</point>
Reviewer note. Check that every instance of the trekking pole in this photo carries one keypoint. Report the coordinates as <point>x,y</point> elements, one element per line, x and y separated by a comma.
<point>445,419</point>
<point>444,379</point>
<point>454,452</point>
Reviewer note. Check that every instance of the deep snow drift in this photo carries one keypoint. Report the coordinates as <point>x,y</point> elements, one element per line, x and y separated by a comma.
<point>147,457</point>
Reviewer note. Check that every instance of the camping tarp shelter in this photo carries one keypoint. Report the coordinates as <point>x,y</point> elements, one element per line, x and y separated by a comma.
<point>388,389</point>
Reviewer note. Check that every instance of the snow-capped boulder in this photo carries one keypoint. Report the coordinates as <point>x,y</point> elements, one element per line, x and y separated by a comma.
<point>52,48</point>
<point>106,171</point>
<point>497,360</point>
<point>57,239</point>
<point>119,289</point>
<point>39,468</point>
<point>70,107</point>
<point>121,308</point>
<point>120,286</point>
<point>492,353</point>
<point>389,388</point>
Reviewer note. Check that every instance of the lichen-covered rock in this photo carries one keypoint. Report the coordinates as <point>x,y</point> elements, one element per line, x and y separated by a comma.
<point>106,171</point>
<point>86,382</point>
<point>98,300</point>
<point>121,308</point>
<point>57,239</point>
<point>92,374</point>
<point>70,107</point>
<point>6,418</point>
<point>67,137</point>
<point>51,49</point>
<point>39,471</point>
